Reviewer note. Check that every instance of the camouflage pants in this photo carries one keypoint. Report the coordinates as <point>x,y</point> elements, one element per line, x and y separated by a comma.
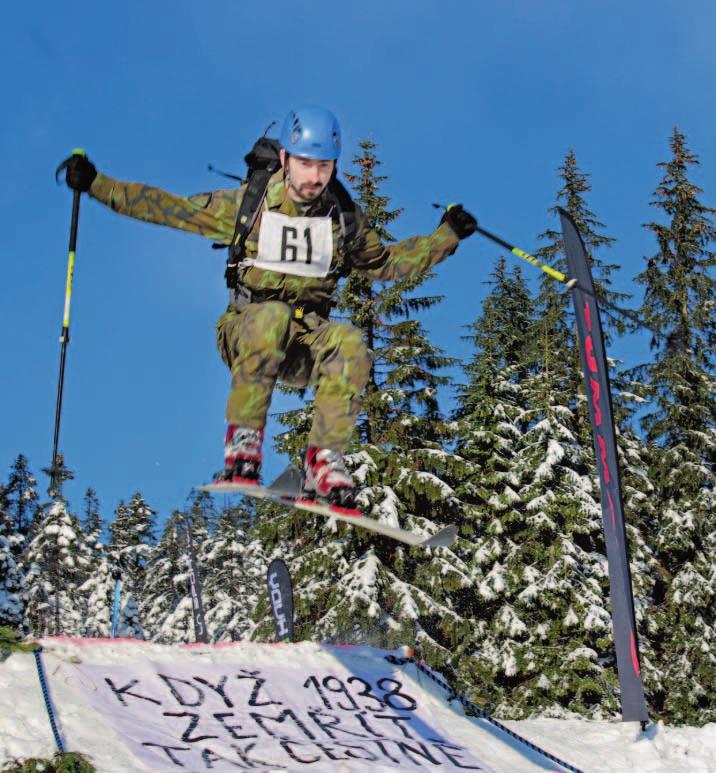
<point>263,342</point>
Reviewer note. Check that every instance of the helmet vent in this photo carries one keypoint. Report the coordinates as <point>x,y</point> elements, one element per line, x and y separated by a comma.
<point>296,129</point>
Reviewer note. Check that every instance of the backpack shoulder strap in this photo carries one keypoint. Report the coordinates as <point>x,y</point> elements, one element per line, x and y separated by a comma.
<point>346,210</point>
<point>263,162</point>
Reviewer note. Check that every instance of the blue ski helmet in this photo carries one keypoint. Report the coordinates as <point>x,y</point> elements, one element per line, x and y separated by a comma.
<point>311,132</point>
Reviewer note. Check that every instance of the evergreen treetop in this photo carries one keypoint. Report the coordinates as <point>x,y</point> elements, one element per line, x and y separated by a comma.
<point>21,494</point>
<point>680,302</point>
<point>91,518</point>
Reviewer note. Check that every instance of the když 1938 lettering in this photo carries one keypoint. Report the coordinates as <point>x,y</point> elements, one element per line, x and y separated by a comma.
<point>213,717</point>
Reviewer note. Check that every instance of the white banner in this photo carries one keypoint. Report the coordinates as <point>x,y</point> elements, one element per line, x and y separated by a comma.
<point>216,716</point>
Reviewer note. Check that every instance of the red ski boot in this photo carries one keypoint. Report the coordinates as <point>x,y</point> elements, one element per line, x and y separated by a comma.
<point>242,455</point>
<point>326,477</point>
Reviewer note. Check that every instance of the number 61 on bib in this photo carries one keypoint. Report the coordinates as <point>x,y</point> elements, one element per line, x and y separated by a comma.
<point>302,246</point>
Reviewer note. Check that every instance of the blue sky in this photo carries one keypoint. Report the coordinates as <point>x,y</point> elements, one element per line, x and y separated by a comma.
<point>468,101</point>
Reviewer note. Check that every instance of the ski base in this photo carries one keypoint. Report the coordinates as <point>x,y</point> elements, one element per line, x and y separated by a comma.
<point>285,491</point>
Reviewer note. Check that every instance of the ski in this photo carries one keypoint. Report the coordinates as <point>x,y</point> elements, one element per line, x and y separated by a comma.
<point>284,491</point>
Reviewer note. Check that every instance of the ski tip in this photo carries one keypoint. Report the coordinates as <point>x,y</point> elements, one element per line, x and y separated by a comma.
<point>444,538</point>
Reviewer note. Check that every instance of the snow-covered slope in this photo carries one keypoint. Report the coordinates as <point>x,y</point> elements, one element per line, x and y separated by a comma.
<point>134,705</point>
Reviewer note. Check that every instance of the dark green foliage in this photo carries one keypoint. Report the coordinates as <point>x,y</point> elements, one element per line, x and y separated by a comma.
<point>680,301</point>
<point>571,197</point>
<point>132,536</point>
<point>91,518</point>
<point>21,495</point>
<point>167,585</point>
<point>202,515</point>
<point>535,524</point>
<point>11,640</point>
<point>11,579</point>
<point>542,634</point>
<point>298,423</point>
<point>233,577</point>
<point>56,566</point>
<point>679,285</point>
<point>68,762</point>
<point>491,406</point>
<point>57,476</point>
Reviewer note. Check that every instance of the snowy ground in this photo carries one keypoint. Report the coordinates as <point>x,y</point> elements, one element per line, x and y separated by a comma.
<point>77,669</point>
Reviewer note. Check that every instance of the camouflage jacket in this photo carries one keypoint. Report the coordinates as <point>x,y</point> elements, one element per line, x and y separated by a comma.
<point>213,215</point>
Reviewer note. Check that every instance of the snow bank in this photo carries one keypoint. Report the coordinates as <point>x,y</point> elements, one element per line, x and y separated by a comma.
<point>292,707</point>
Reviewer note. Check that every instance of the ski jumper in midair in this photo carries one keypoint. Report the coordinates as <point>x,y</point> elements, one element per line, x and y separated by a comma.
<point>277,326</point>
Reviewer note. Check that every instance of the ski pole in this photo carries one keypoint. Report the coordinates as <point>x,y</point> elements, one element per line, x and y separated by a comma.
<point>558,275</point>
<point>65,333</point>
<point>568,282</point>
<point>117,576</point>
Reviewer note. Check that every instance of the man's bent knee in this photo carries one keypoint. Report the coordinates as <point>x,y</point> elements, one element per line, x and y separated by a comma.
<point>346,356</point>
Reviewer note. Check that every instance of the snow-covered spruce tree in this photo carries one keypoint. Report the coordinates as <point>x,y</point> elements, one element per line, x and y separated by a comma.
<point>553,629</point>
<point>129,550</point>
<point>541,577</point>
<point>8,527</point>
<point>166,605</point>
<point>546,640</point>
<point>160,597</point>
<point>680,303</point>
<point>571,196</point>
<point>490,417</point>
<point>97,592</point>
<point>131,535</point>
<point>555,305</point>
<point>21,492</point>
<point>351,586</point>
<point>91,519</point>
<point>12,586</point>
<point>491,405</point>
<point>200,516</point>
<point>234,577</point>
<point>567,416</point>
<point>55,566</point>
<point>129,624</point>
<point>166,600</point>
<point>639,504</point>
<point>549,582</point>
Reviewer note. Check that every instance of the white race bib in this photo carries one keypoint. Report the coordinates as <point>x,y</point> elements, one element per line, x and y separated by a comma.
<point>302,246</point>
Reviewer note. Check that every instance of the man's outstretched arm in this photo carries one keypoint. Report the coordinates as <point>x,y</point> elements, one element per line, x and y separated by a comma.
<point>212,215</point>
<point>413,256</point>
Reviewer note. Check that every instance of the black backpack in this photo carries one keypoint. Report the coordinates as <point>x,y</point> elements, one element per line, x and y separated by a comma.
<point>262,163</point>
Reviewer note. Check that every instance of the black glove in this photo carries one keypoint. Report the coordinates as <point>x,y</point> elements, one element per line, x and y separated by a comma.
<point>80,172</point>
<point>461,221</point>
